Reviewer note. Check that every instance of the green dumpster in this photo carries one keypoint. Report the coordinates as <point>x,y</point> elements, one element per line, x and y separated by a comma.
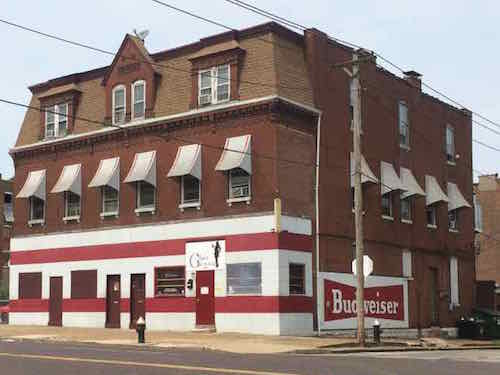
<point>490,322</point>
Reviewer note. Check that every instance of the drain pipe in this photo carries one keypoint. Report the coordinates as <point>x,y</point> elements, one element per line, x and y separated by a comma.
<point>318,147</point>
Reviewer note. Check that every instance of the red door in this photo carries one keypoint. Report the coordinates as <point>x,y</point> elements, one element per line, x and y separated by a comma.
<point>113,301</point>
<point>55,301</point>
<point>137,298</point>
<point>205,298</point>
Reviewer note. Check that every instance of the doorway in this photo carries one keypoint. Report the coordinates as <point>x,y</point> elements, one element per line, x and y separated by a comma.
<point>113,298</point>
<point>55,301</point>
<point>205,298</point>
<point>434,296</point>
<point>137,298</point>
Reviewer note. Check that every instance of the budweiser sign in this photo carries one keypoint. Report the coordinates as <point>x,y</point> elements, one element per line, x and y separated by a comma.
<point>382,302</point>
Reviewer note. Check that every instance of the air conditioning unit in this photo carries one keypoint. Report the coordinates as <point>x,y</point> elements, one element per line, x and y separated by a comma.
<point>205,99</point>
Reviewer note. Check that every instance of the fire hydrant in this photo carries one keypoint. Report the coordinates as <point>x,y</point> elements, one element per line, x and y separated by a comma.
<point>376,332</point>
<point>140,327</point>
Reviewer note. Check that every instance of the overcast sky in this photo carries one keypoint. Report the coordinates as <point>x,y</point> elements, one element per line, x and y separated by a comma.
<point>453,43</point>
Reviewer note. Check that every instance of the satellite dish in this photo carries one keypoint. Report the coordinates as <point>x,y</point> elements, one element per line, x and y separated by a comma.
<point>141,34</point>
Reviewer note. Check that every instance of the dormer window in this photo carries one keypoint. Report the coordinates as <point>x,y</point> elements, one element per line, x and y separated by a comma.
<point>119,104</point>
<point>214,85</point>
<point>139,100</point>
<point>56,121</point>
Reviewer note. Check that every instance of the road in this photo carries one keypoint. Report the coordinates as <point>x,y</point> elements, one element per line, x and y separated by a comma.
<point>50,358</point>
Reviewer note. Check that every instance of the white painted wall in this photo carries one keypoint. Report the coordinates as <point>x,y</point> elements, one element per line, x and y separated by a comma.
<point>31,318</point>
<point>84,319</point>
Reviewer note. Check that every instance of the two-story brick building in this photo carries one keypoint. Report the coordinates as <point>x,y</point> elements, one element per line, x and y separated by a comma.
<point>197,185</point>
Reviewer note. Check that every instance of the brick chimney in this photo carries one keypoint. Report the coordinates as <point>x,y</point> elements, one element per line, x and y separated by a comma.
<point>414,78</point>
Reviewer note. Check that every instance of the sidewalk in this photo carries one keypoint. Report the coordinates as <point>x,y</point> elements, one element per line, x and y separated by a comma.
<point>229,342</point>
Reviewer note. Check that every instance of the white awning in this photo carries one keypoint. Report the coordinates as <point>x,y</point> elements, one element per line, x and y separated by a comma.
<point>433,192</point>
<point>236,154</point>
<point>457,200</point>
<point>34,185</point>
<point>389,180</point>
<point>143,168</point>
<point>108,174</point>
<point>69,180</point>
<point>187,162</point>
<point>410,184</point>
<point>366,173</point>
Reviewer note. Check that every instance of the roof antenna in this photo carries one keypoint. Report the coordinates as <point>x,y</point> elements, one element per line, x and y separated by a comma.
<point>141,34</point>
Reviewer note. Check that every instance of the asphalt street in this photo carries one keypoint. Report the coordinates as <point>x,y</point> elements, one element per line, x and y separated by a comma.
<point>31,357</point>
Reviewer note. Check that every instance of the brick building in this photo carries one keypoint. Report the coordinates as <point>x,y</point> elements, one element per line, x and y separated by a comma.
<point>182,185</point>
<point>486,199</point>
<point>6,221</point>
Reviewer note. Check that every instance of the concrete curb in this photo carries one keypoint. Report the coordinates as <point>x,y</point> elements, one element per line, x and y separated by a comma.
<point>392,349</point>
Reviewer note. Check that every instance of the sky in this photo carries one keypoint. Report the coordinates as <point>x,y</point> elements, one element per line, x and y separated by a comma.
<point>453,43</point>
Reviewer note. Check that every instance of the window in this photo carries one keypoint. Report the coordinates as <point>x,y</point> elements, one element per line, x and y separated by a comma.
<point>139,99</point>
<point>8,212</point>
<point>404,126</point>
<point>297,279</point>
<point>71,204</point>
<point>450,144</point>
<point>351,106</point>
<point>431,216</point>
<point>119,104</point>
<point>37,209</point>
<point>239,183</point>
<point>30,285</point>
<point>110,201</point>
<point>453,220</point>
<point>407,271</point>
<point>214,85</point>
<point>244,278</point>
<point>146,195</point>
<point>387,205</point>
<point>169,281</point>
<point>190,192</point>
<point>56,121</point>
<point>406,209</point>
<point>478,215</point>
<point>84,284</point>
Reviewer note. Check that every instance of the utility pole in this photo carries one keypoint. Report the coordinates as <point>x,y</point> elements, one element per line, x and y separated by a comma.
<point>358,200</point>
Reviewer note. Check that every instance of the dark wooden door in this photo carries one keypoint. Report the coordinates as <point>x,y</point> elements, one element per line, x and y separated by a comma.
<point>137,298</point>
<point>55,301</point>
<point>113,298</point>
<point>205,298</point>
<point>434,296</point>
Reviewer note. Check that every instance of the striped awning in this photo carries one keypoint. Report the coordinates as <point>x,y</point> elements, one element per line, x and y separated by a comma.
<point>433,192</point>
<point>187,162</point>
<point>143,168</point>
<point>108,174</point>
<point>366,173</point>
<point>70,179</point>
<point>237,154</point>
<point>34,186</point>
<point>456,199</point>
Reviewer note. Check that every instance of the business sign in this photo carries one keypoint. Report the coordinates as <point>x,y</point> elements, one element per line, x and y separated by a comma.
<point>205,256</point>
<point>386,300</point>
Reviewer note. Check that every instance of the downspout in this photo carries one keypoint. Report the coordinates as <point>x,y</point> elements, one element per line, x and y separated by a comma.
<point>318,302</point>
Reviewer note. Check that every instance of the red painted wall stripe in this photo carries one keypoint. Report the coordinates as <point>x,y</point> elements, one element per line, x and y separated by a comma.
<point>247,242</point>
<point>231,304</point>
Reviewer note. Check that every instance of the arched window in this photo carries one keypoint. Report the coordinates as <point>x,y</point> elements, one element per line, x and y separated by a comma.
<point>119,104</point>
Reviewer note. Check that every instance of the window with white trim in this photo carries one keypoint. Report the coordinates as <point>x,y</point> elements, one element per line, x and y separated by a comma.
<point>119,104</point>
<point>478,214</point>
<point>453,220</point>
<point>244,278</point>
<point>450,143</point>
<point>404,125</point>
<point>139,100</point>
<point>37,209</point>
<point>407,271</point>
<point>170,281</point>
<point>71,204</point>
<point>239,183</point>
<point>387,205</point>
<point>430,212</point>
<point>110,200</point>
<point>214,85</point>
<point>190,189</point>
<point>146,195</point>
<point>56,121</point>
<point>406,204</point>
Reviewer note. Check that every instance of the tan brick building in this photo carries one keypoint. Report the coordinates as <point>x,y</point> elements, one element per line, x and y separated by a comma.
<point>232,142</point>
